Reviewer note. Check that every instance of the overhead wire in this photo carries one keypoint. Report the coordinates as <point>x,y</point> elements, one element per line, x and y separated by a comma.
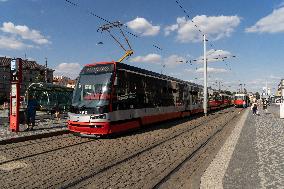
<point>92,13</point>
<point>202,33</point>
<point>197,27</point>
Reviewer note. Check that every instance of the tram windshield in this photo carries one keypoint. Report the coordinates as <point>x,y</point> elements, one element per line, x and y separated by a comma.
<point>92,90</point>
<point>239,97</point>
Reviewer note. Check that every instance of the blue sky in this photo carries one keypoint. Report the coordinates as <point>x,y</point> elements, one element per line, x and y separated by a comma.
<point>67,35</point>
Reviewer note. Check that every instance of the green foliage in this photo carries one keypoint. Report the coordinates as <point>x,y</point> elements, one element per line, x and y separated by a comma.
<point>2,98</point>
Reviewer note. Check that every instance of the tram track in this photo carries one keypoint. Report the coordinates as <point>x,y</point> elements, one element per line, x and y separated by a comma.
<point>107,161</point>
<point>39,149</point>
<point>190,156</point>
<point>137,153</point>
<point>31,142</point>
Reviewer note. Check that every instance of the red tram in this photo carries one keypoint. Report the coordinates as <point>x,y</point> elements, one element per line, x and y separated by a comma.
<point>112,97</point>
<point>241,100</point>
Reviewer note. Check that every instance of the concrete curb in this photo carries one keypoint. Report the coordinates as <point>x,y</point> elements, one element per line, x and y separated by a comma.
<point>33,137</point>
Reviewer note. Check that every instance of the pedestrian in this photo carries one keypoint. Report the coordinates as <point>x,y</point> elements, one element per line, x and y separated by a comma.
<point>244,104</point>
<point>254,108</point>
<point>264,105</point>
<point>31,113</point>
<point>57,112</point>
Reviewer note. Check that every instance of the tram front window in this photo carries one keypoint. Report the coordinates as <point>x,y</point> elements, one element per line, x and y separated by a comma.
<point>92,92</point>
<point>239,98</point>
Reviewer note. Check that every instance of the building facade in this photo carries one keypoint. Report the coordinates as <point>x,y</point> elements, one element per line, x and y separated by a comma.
<point>64,81</point>
<point>32,72</point>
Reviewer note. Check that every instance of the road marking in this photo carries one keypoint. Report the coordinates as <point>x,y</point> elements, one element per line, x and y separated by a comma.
<point>10,166</point>
<point>214,174</point>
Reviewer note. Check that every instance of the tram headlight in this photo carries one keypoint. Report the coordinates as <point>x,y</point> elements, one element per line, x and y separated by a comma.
<point>101,116</point>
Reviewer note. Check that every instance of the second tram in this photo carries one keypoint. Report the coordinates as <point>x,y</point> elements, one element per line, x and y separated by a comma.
<point>241,100</point>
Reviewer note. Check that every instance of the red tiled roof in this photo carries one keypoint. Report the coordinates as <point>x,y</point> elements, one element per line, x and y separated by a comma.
<point>27,64</point>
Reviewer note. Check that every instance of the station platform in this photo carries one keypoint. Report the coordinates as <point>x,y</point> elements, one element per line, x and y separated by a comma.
<point>46,125</point>
<point>252,156</point>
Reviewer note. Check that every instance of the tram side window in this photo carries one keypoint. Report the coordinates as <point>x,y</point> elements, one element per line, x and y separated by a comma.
<point>180,95</point>
<point>149,92</point>
<point>165,96</point>
<point>170,96</point>
<point>159,88</point>
<point>195,98</point>
<point>136,94</point>
<point>120,91</point>
<point>186,95</point>
<point>129,91</point>
<point>139,90</point>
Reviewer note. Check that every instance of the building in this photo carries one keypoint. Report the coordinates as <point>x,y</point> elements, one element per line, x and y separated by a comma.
<point>64,81</point>
<point>32,72</point>
<point>279,89</point>
<point>71,84</point>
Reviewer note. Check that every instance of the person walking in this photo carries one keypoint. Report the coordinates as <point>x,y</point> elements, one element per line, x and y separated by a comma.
<point>264,105</point>
<point>31,112</point>
<point>254,108</point>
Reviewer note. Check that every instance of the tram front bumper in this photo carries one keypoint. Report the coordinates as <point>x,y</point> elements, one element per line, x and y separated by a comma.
<point>88,128</point>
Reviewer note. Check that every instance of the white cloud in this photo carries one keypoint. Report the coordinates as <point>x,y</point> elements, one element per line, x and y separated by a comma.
<point>189,70</point>
<point>11,43</point>
<point>169,29</point>
<point>170,61</point>
<point>71,70</point>
<point>273,77</point>
<point>25,33</point>
<point>272,23</point>
<point>212,70</point>
<point>173,60</point>
<point>143,27</point>
<point>216,27</point>
<point>215,56</point>
<point>1,55</point>
<point>150,58</point>
<point>31,59</point>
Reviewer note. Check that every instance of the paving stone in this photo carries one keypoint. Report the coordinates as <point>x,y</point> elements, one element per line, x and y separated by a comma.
<point>257,161</point>
<point>44,124</point>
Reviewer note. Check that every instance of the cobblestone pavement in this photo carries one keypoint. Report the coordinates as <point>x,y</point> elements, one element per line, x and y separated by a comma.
<point>257,161</point>
<point>136,160</point>
<point>44,124</point>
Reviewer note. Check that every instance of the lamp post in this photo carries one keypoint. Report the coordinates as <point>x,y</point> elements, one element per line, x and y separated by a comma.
<point>205,77</point>
<point>45,73</point>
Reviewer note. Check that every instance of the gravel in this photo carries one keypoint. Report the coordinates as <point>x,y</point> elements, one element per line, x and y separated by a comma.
<point>135,160</point>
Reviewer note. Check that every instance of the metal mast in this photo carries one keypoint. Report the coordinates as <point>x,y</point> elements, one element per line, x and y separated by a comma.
<point>205,77</point>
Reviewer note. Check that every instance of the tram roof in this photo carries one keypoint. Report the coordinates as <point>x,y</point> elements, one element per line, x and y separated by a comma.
<point>144,71</point>
<point>155,74</point>
<point>48,87</point>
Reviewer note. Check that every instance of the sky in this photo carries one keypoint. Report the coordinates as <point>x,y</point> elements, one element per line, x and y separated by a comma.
<point>167,38</point>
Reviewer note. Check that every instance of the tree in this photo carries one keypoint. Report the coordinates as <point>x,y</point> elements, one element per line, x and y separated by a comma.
<point>40,78</point>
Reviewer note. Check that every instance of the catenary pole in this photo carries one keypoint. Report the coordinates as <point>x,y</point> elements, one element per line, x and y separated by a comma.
<point>205,77</point>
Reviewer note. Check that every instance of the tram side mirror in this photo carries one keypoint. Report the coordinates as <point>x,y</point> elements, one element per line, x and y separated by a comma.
<point>115,81</point>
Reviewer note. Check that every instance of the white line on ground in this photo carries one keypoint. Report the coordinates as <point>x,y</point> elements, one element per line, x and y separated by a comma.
<point>214,174</point>
<point>11,165</point>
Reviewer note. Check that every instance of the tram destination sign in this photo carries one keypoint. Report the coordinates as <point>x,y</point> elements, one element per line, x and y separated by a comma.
<point>98,69</point>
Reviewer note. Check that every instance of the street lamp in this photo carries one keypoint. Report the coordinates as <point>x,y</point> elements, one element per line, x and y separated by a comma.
<point>205,76</point>
<point>205,89</point>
